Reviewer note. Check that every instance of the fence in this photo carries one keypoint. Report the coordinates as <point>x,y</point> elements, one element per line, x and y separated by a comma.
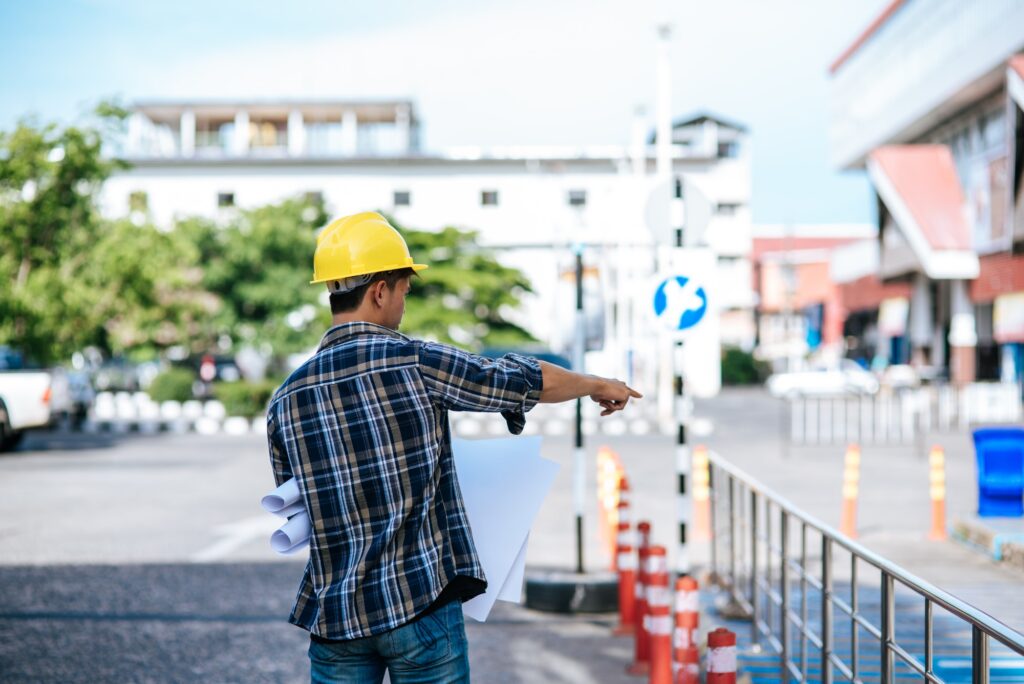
<point>778,566</point>
<point>901,416</point>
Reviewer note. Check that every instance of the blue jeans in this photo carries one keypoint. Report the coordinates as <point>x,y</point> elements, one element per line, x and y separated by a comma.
<point>431,649</point>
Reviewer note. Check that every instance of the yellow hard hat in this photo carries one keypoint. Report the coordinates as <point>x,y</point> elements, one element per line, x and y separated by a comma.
<point>358,245</point>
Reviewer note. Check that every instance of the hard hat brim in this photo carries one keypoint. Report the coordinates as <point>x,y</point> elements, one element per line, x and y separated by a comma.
<point>415,267</point>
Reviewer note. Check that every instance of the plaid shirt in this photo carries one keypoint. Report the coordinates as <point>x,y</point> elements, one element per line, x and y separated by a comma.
<point>363,427</point>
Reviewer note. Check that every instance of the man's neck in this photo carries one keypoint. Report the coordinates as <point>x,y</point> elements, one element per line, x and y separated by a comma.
<point>353,317</point>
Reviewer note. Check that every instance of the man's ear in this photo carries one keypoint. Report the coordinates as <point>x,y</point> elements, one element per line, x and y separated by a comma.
<point>377,291</point>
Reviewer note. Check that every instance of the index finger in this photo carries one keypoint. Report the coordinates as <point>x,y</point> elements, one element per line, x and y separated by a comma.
<point>634,393</point>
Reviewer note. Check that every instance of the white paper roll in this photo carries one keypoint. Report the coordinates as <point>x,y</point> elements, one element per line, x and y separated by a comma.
<point>292,534</point>
<point>281,498</point>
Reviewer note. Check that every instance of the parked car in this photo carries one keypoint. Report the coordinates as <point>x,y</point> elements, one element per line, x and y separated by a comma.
<point>847,378</point>
<point>30,398</point>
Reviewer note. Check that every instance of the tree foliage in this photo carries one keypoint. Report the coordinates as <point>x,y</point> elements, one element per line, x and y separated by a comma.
<point>462,298</point>
<point>70,278</point>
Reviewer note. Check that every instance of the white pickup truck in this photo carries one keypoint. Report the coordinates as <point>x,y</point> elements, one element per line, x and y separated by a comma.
<point>30,399</point>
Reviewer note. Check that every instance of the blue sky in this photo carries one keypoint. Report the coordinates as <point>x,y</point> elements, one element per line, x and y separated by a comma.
<point>481,73</point>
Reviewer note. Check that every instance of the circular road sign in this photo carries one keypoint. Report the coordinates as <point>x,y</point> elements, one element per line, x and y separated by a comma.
<point>680,303</point>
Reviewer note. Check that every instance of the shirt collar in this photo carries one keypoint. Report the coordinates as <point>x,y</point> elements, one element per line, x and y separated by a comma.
<point>340,333</point>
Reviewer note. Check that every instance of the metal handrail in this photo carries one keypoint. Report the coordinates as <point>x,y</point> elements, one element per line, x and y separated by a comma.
<point>726,482</point>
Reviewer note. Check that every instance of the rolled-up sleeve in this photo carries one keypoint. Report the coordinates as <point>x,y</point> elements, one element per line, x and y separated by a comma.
<point>460,381</point>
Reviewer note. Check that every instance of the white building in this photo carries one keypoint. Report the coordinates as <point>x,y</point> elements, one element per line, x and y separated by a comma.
<point>529,204</point>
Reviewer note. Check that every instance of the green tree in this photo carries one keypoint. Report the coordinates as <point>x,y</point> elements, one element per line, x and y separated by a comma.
<point>257,268</point>
<point>461,299</point>
<point>48,223</point>
<point>68,278</point>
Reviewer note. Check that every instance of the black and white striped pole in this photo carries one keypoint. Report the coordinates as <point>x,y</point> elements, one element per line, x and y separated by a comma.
<point>579,457</point>
<point>684,500</point>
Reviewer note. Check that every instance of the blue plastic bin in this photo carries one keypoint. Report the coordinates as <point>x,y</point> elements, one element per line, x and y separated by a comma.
<point>1000,454</point>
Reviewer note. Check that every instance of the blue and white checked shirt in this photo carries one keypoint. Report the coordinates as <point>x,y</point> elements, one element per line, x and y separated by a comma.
<point>363,427</point>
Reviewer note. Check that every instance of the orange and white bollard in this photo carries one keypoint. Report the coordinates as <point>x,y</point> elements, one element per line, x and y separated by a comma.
<point>701,494</point>
<point>937,492</point>
<point>721,662</point>
<point>851,490</point>
<point>642,653</point>
<point>659,616</point>
<point>626,563</point>
<point>686,658</point>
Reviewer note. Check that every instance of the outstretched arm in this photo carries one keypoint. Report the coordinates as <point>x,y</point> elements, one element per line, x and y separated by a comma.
<point>562,385</point>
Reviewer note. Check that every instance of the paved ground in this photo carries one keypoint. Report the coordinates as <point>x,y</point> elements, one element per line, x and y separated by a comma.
<point>146,558</point>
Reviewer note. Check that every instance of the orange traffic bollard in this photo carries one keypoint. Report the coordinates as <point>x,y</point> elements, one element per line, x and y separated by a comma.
<point>686,665</point>
<point>641,657</point>
<point>937,492</point>
<point>721,664</point>
<point>851,489</point>
<point>626,568</point>
<point>659,617</point>
<point>701,494</point>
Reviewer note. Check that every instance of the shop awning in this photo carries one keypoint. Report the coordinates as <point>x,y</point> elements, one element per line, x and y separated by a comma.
<point>1015,79</point>
<point>919,187</point>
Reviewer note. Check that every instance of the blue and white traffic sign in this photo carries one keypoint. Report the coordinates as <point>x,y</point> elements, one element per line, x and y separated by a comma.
<point>680,303</point>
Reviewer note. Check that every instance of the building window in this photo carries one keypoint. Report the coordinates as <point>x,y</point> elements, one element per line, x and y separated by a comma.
<point>403,198</point>
<point>727,208</point>
<point>489,198</point>
<point>138,201</point>
<point>577,198</point>
<point>728,149</point>
<point>225,199</point>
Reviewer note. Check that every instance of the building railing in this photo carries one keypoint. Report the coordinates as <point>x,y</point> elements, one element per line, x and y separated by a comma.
<point>900,416</point>
<point>859,621</point>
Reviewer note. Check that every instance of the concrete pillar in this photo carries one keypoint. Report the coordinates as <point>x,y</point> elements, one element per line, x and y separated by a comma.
<point>296,134</point>
<point>187,133</point>
<point>240,143</point>
<point>349,132</point>
<point>403,126</point>
<point>709,138</point>
<point>922,323</point>
<point>963,335</point>
<point>136,133</point>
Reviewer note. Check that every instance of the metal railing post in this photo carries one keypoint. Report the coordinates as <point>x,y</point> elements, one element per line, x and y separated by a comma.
<point>888,628</point>
<point>979,656</point>
<point>826,609</point>
<point>732,535</point>
<point>713,523</point>
<point>784,580</point>
<point>755,608</point>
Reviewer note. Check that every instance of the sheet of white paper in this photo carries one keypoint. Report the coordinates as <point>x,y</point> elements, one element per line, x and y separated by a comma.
<point>289,511</point>
<point>291,534</point>
<point>503,482</point>
<point>512,590</point>
<point>282,497</point>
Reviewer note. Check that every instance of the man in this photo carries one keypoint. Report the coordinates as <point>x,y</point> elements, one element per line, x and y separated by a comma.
<point>363,427</point>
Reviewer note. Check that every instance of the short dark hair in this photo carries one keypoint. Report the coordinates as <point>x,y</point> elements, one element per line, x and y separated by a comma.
<point>350,301</point>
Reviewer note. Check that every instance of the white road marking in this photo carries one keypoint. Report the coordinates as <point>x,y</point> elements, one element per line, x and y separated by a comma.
<point>236,535</point>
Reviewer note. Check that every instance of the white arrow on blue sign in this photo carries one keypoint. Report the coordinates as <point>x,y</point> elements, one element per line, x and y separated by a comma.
<point>680,303</point>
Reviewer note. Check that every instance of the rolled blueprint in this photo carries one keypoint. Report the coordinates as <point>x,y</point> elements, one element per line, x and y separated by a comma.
<point>283,501</point>
<point>292,534</point>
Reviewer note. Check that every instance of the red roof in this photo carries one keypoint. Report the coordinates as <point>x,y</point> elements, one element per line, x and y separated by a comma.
<point>866,34</point>
<point>924,178</point>
<point>1017,64</point>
